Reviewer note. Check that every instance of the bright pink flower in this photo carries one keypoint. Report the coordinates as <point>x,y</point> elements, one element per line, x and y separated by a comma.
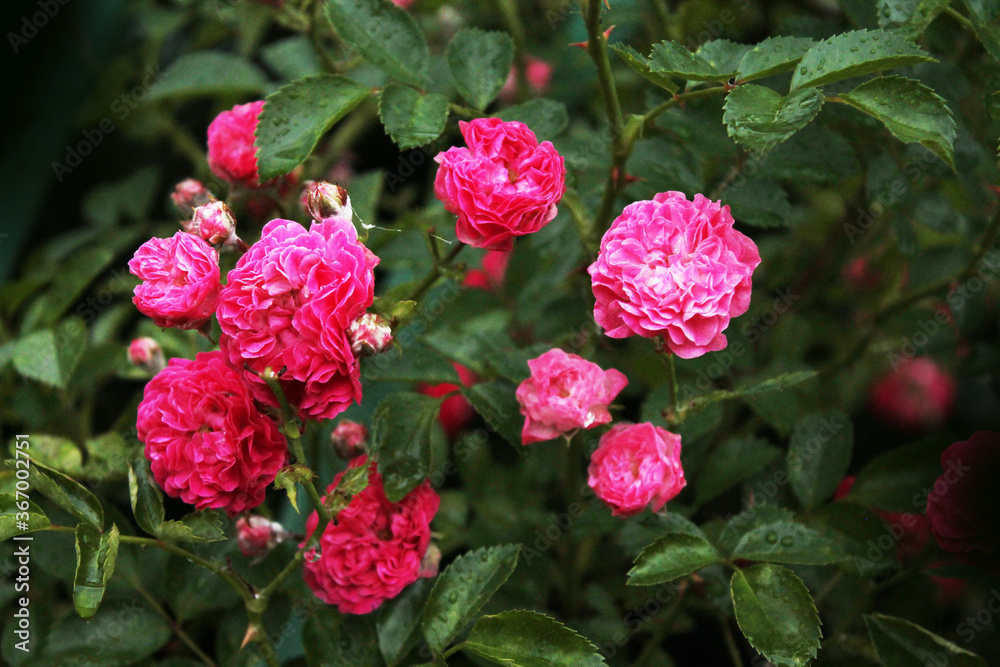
<point>324,200</point>
<point>917,396</point>
<point>369,334</point>
<point>288,304</point>
<point>256,535</point>
<point>180,280</point>
<point>964,505</point>
<point>403,3</point>
<point>565,392</point>
<point>214,223</point>
<point>349,439</point>
<point>232,155</point>
<point>147,354</point>
<point>455,413</point>
<point>539,77</point>
<point>207,442</point>
<point>375,549</point>
<point>490,276</point>
<point>505,184</point>
<point>636,465</point>
<point>673,268</point>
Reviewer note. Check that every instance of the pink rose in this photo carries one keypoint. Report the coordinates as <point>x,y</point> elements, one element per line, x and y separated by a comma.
<point>673,268</point>
<point>636,465</point>
<point>232,155</point>
<point>288,304</point>
<point>963,506</point>
<point>539,77</point>
<point>917,396</point>
<point>369,334</point>
<point>375,548</point>
<point>180,280</point>
<point>206,441</point>
<point>146,353</point>
<point>490,276</point>
<point>256,535</point>
<point>349,439</point>
<point>456,413</point>
<point>565,392</point>
<point>214,223</point>
<point>505,184</point>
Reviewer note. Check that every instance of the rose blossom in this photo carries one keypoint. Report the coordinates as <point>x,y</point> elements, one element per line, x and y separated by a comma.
<point>256,535</point>
<point>539,76</point>
<point>375,549</point>
<point>348,439</point>
<point>455,413</point>
<point>207,442</point>
<point>964,505</point>
<point>636,465</point>
<point>673,268</point>
<point>505,184</point>
<point>917,396</point>
<point>180,280</point>
<point>146,353</point>
<point>214,222</point>
<point>565,392</point>
<point>490,276</point>
<point>189,194</point>
<point>369,334</point>
<point>287,306</point>
<point>232,155</point>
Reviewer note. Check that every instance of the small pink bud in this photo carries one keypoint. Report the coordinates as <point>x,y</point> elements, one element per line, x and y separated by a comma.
<point>431,561</point>
<point>214,222</point>
<point>189,194</point>
<point>256,535</point>
<point>147,354</point>
<point>348,439</point>
<point>369,334</point>
<point>326,200</point>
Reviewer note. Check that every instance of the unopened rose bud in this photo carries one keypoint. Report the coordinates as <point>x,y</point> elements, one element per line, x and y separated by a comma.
<point>256,535</point>
<point>348,439</point>
<point>431,561</point>
<point>369,334</point>
<point>189,194</point>
<point>326,200</point>
<point>215,223</point>
<point>147,354</point>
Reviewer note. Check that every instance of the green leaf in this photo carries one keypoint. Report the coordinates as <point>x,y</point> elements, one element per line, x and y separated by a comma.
<point>640,65</point>
<point>480,63</point>
<point>732,462</point>
<point>201,526</point>
<point>295,117</point>
<point>913,113</point>
<point>67,493</point>
<point>398,622</point>
<point>814,154</point>
<point>673,59</point>
<point>529,639</point>
<point>723,55</point>
<point>854,54</point>
<point>496,402</point>
<point>414,363</point>
<point>545,117</point>
<point>856,531</point>
<point>405,433</point>
<point>120,634</point>
<point>759,202</point>
<point>208,73</point>
<point>387,36</point>
<point>410,117</point>
<point>819,455</point>
<point>147,500</point>
<point>899,480</point>
<point>332,639</point>
<point>901,643</point>
<point>760,118</point>
<point>787,542</point>
<point>985,17</point>
<point>462,590</point>
<point>673,555</point>
<point>11,515</point>
<point>95,563</point>
<point>773,56</point>
<point>776,614</point>
<point>909,17</point>
<point>51,356</point>
<point>57,453</point>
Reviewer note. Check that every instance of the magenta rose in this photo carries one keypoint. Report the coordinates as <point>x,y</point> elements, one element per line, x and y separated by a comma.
<point>180,280</point>
<point>565,392</point>
<point>964,506</point>
<point>288,304</point>
<point>673,268</point>
<point>635,466</point>
<point>375,549</point>
<point>232,155</point>
<point>505,184</point>
<point>207,442</point>
<point>917,396</point>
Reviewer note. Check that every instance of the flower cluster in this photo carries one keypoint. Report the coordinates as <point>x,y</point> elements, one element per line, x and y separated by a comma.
<point>375,549</point>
